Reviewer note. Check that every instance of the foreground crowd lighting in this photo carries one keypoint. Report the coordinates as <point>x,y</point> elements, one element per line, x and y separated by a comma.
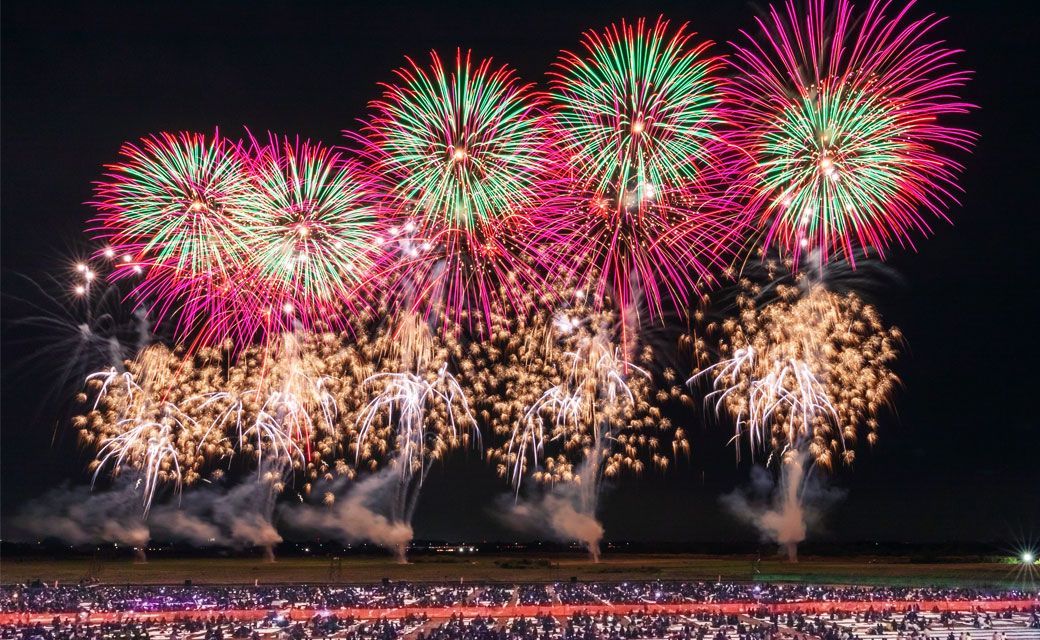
<point>400,597</point>
<point>558,611</point>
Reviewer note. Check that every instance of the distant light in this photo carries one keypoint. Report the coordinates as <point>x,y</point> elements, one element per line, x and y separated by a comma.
<point>1028,558</point>
<point>81,267</point>
<point>288,308</point>
<point>110,254</point>
<point>126,258</point>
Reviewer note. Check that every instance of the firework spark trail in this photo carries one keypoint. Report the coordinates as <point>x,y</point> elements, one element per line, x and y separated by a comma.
<point>841,121</point>
<point>594,390</point>
<point>152,442</point>
<point>410,395</point>
<point>146,440</point>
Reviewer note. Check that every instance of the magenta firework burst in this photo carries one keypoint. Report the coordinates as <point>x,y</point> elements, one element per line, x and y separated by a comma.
<point>841,118</point>
<point>311,230</point>
<point>466,165</point>
<point>174,207</point>
<point>639,112</point>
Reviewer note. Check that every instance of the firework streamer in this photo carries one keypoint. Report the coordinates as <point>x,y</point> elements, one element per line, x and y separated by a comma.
<point>581,420</point>
<point>802,376</point>
<point>426,409</point>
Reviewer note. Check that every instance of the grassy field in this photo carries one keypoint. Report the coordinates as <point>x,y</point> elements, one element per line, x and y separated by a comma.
<point>492,568</point>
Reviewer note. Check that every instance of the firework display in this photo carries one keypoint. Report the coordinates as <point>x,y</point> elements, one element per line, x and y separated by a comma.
<point>466,166</point>
<point>236,242</point>
<point>811,367</point>
<point>640,115</point>
<point>840,117</point>
<point>474,274</point>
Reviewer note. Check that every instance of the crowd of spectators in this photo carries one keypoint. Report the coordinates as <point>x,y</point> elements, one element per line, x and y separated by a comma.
<point>42,598</point>
<point>634,625</point>
<point>108,598</point>
<point>840,624</point>
<point>217,628</point>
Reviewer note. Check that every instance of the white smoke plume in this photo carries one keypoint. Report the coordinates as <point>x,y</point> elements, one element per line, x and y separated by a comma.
<point>77,515</point>
<point>236,517</point>
<point>785,510</point>
<point>348,514</point>
<point>557,515</point>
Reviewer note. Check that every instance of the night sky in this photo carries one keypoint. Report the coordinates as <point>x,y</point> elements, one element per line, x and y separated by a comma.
<point>959,459</point>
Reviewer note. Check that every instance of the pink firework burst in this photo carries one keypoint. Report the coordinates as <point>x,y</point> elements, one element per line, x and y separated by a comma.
<point>641,118</point>
<point>841,119</point>
<point>174,208</point>
<point>466,165</point>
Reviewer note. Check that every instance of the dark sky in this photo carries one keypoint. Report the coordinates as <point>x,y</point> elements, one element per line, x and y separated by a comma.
<point>959,459</point>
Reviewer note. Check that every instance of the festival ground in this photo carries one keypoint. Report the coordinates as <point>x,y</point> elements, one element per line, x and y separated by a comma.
<point>889,571</point>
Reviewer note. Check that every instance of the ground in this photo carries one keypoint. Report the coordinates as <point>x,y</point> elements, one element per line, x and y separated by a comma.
<point>511,568</point>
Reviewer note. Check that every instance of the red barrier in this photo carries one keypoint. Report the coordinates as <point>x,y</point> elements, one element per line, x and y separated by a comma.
<point>811,607</point>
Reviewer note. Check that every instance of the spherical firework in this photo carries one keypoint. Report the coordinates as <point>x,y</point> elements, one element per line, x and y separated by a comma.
<point>175,207</point>
<point>839,118</point>
<point>311,231</point>
<point>639,116</point>
<point>810,369</point>
<point>466,163</point>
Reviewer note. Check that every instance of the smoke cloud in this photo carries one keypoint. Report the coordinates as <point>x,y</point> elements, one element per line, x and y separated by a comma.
<point>785,510</point>
<point>236,517</point>
<point>77,515</point>
<point>348,514</point>
<point>557,515</point>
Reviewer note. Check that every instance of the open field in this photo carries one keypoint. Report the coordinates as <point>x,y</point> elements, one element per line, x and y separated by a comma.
<point>510,568</point>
